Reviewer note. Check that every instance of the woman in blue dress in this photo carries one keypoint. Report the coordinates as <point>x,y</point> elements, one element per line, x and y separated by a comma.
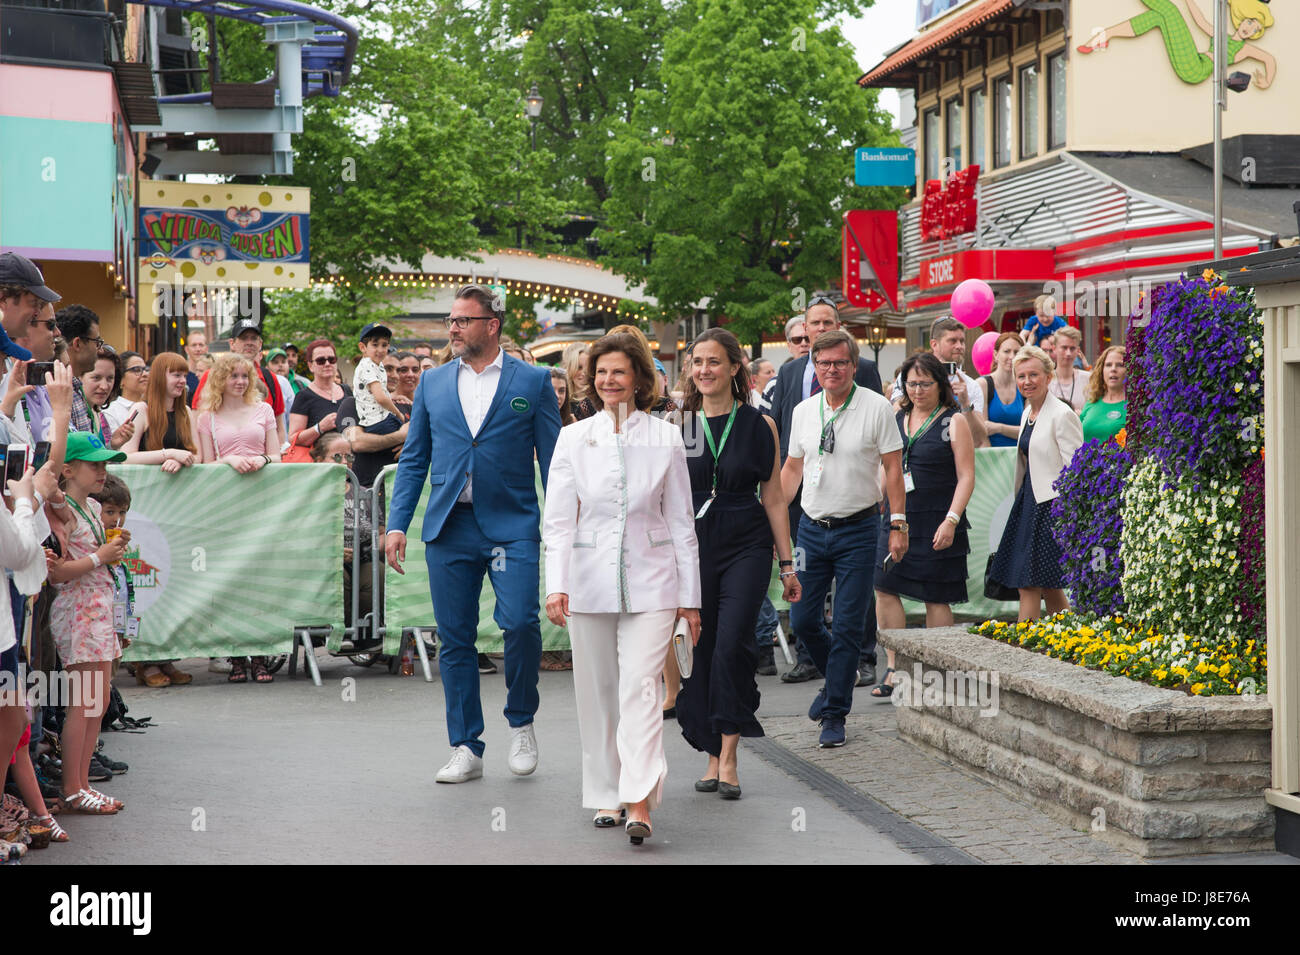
<point>1003,401</point>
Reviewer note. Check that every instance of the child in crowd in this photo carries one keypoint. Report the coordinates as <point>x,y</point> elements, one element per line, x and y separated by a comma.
<point>114,501</point>
<point>377,413</point>
<point>81,617</point>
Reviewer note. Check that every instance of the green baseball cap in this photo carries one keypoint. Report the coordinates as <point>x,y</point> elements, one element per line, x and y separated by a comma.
<point>84,446</point>
<point>276,353</point>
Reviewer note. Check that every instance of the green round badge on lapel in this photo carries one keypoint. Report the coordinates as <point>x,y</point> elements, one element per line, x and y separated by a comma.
<point>519,404</point>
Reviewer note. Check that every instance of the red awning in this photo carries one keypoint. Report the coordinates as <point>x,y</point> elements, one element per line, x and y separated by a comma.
<point>932,39</point>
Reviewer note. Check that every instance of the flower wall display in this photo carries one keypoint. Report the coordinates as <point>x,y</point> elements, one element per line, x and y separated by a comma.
<point>1087,523</point>
<point>1162,532</point>
<point>1201,369</point>
<point>1179,545</point>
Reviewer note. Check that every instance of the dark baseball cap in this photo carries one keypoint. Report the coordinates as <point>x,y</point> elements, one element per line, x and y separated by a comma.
<point>245,325</point>
<point>376,330</point>
<point>21,271</point>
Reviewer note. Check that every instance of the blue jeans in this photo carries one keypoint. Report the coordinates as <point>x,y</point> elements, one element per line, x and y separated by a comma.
<point>868,654</point>
<point>457,560</point>
<point>845,555</point>
<point>768,621</point>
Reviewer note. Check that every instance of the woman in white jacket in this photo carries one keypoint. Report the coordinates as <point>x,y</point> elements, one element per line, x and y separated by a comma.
<point>622,564</point>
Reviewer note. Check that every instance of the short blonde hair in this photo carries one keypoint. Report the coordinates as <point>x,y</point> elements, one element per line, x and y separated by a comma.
<point>224,366</point>
<point>1045,303</point>
<point>1072,333</point>
<point>1033,353</point>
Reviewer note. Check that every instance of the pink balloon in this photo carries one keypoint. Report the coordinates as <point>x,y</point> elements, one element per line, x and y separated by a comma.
<point>972,303</point>
<point>981,353</point>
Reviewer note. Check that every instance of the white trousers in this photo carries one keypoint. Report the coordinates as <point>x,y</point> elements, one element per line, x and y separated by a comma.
<point>617,662</point>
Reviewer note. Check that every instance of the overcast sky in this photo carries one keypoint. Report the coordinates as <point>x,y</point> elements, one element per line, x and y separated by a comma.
<point>885,25</point>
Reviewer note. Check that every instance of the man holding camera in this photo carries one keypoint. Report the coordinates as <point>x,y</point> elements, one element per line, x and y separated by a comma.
<point>948,343</point>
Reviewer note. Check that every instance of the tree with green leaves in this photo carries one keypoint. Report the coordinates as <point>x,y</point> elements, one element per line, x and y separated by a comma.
<point>727,186</point>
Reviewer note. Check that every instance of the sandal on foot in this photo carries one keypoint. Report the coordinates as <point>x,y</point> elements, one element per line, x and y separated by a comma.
<point>260,673</point>
<point>177,677</point>
<point>157,679</point>
<point>884,689</point>
<point>237,672</point>
<point>111,800</point>
<point>89,804</point>
<point>57,832</point>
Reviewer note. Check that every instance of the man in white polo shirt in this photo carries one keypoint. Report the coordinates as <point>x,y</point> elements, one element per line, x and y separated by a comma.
<point>839,438</point>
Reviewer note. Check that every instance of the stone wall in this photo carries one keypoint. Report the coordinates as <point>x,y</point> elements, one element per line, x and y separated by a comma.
<point>1155,771</point>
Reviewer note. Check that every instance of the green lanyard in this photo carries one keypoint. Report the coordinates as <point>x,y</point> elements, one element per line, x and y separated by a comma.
<point>913,438</point>
<point>822,409</point>
<point>96,530</point>
<point>716,449</point>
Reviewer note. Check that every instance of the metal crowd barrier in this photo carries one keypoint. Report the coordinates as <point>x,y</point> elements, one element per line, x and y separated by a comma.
<point>371,622</point>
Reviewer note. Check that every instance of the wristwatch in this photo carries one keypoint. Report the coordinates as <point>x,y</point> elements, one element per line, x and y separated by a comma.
<point>898,526</point>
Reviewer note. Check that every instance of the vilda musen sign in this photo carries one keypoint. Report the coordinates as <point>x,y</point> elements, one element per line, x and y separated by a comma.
<point>235,234</point>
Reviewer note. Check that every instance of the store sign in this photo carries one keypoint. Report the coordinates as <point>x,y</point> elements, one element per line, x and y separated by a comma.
<point>869,256</point>
<point>234,234</point>
<point>884,167</point>
<point>950,209</point>
<point>991,265</point>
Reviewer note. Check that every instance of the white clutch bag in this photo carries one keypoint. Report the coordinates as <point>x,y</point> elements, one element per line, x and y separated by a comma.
<point>683,647</point>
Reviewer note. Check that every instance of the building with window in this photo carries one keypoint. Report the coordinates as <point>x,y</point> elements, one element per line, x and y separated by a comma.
<point>1091,126</point>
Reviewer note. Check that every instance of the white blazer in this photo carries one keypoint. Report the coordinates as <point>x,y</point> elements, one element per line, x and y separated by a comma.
<point>619,530</point>
<point>1058,433</point>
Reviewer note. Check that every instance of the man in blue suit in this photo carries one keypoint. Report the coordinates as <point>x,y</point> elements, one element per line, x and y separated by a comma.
<point>485,413</point>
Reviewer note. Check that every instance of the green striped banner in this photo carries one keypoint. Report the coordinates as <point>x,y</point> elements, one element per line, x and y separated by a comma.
<point>406,596</point>
<point>228,564</point>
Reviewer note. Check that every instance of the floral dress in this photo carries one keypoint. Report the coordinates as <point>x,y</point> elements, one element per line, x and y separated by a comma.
<point>81,617</point>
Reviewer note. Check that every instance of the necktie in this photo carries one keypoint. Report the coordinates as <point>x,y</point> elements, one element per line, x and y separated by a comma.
<point>816,387</point>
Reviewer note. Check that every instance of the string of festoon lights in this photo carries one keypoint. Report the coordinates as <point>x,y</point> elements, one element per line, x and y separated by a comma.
<point>427,281</point>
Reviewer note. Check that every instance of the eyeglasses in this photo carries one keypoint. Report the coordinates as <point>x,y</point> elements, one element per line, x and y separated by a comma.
<point>920,385</point>
<point>340,457</point>
<point>799,340</point>
<point>138,369</point>
<point>47,322</point>
<point>97,342</point>
<point>324,360</point>
<point>822,300</point>
<point>840,364</point>
<point>464,322</point>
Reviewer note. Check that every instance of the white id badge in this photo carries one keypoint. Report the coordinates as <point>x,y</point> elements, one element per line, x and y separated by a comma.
<point>703,508</point>
<point>814,477</point>
<point>908,484</point>
<point>119,617</point>
<point>132,627</point>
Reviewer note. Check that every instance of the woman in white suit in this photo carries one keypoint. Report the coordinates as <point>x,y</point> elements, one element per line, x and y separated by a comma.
<point>1028,557</point>
<point>622,563</point>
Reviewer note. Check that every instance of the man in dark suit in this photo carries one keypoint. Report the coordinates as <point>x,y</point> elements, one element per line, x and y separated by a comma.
<point>795,382</point>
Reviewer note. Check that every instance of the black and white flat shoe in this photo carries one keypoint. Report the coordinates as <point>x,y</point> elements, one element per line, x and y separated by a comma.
<point>604,820</point>
<point>638,831</point>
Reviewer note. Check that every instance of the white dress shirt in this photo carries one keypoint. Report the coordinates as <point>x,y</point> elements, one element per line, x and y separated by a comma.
<point>476,391</point>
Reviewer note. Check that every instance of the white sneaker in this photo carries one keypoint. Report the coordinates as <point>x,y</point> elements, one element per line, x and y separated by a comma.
<point>462,767</point>
<point>523,750</point>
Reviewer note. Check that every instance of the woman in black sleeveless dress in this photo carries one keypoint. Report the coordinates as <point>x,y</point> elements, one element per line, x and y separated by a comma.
<point>728,464</point>
<point>939,473</point>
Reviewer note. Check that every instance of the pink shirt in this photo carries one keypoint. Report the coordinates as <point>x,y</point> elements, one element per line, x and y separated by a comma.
<point>248,439</point>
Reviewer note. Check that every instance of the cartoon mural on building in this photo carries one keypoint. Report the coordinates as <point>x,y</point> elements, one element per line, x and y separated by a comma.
<point>1249,19</point>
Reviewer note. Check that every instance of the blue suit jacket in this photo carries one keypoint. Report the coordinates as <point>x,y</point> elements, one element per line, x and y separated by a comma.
<point>524,416</point>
